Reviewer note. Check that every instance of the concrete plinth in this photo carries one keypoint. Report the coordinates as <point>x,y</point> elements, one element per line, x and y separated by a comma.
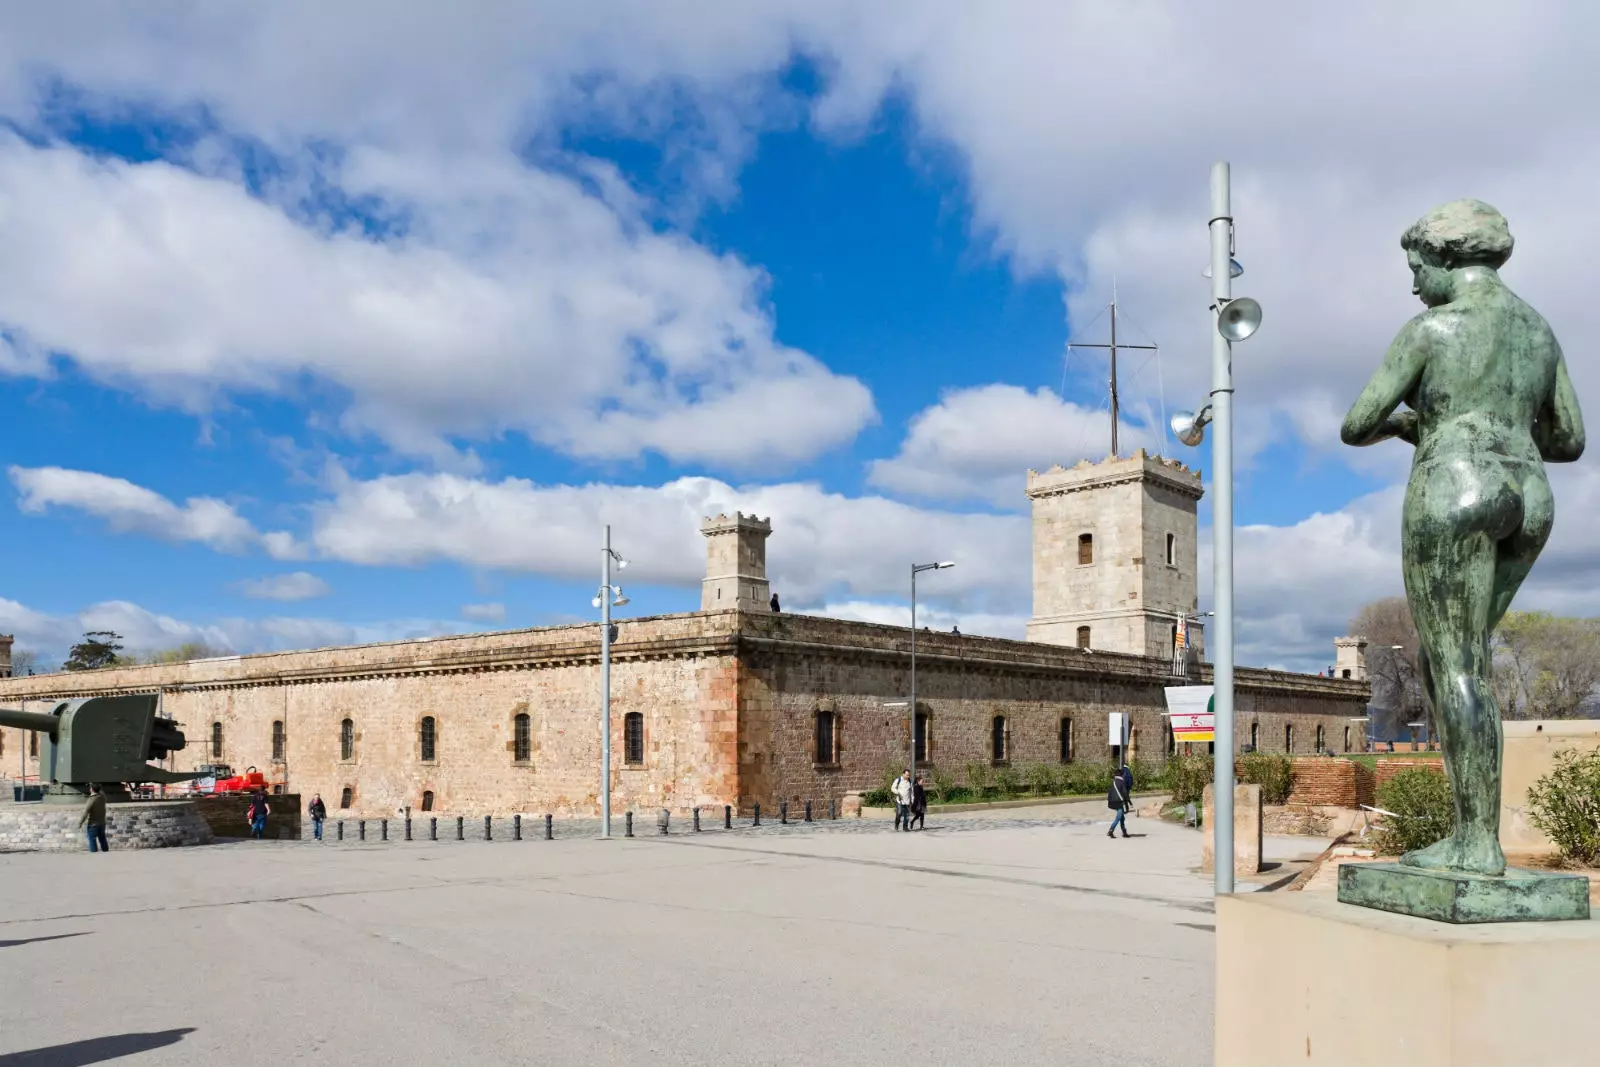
<point>1247,829</point>
<point>1455,897</point>
<point>1304,979</point>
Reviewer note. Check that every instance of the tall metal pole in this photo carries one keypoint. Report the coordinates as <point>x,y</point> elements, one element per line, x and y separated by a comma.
<point>1221,227</point>
<point>605,688</point>
<point>1113,379</point>
<point>913,672</point>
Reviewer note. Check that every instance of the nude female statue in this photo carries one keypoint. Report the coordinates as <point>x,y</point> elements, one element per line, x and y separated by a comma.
<point>1489,402</point>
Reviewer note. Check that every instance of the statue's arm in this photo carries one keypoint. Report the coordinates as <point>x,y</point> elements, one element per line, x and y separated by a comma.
<point>1372,418</point>
<point>1559,429</point>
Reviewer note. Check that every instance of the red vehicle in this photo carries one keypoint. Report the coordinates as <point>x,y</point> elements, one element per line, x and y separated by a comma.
<point>221,781</point>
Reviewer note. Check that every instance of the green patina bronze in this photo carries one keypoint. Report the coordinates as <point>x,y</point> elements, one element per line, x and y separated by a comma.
<point>1458,897</point>
<point>1487,403</point>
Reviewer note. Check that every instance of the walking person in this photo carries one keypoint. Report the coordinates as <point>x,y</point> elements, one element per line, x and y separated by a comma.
<point>1120,798</point>
<point>258,814</point>
<point>94,817</point>
<point>319,811</point>
<point>919,803</point>
<point>902,800</point>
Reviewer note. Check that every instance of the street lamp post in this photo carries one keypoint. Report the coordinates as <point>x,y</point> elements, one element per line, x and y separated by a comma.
<point>1234,319</point>
<point>610,596</point>
<point>916,569</point>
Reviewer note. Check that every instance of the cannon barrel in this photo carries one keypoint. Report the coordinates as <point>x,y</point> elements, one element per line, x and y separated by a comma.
<point>30,720</point>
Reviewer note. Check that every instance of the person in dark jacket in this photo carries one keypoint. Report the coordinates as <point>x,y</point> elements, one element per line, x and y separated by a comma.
<point>258,814</point>
<point>319,812</point>
<point>94,817</point>
<point>1120,798</point>
<point>919,803</point>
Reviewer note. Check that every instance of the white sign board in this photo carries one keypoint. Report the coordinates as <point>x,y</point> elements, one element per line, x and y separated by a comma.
<point>1190,711</point>
<point>1117,728</point>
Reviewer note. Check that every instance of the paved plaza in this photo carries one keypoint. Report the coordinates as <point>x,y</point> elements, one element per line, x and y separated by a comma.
<point>1014,938</point>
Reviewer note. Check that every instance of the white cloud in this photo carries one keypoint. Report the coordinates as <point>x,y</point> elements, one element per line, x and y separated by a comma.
<point>130,508</point>
<point>299,585</point>
<point>978,444</point>
<point>491,612</point>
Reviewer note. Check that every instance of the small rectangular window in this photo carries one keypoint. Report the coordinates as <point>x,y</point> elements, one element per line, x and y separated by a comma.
<point>1085,549</point>
<point>998,739</point>
<point>633,738</point>
<point>922,737</point>
<point>277,740</point>
<point>522,738</point>
<point>826,751</point>
<point>1066,739</point>
<point>1083,637</point>
<point>1172,551</point>
<point>429,739</point>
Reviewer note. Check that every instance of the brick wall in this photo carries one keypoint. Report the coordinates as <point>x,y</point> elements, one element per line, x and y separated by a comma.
<point>1324,782</point>
<point>228,815</point>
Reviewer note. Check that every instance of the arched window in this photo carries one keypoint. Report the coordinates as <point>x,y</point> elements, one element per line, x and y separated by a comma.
<point>347,794</point>
<point>1347,739</point>
<point>824,731</point>
<point>1085,549</point>
<point>1255,736</point>
<point>1288,737</point>
<point>522,738</point>
<point>1321,738</point>
<point>427,800</point>
<point>998,739</point>
<point>922,738</point>
<point>1066,739</point>
<point>1172,551</point>
<point>1083,637</point>
<point>429,739</point>
<point>347,740</point>
<point>216,740</point>
<point>633,738</point>
<point>277,740</point>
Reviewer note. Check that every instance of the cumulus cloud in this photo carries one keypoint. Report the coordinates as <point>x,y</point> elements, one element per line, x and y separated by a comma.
<point>130,508</point>
<point>300,585</point>
<point>491,612</point>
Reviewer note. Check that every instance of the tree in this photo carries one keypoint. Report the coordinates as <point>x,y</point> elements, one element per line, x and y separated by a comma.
<point>98,649</point>
<point>1396,676</point>
<point>185,652</point>
<point>23,660</point>
<point>1546,666</point>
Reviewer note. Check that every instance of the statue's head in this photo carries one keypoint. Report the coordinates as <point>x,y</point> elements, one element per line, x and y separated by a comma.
<point>1462,233</point>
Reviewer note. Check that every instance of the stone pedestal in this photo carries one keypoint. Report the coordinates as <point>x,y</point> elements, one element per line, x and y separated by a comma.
<point>1246,830</point>
<point>1304,979</point>
<point>1454,897</point>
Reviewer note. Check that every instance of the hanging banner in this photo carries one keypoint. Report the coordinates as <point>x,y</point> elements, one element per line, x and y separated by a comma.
<point>1192,713</point>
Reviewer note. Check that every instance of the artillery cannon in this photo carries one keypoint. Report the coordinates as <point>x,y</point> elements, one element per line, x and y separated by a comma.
<point>104,741</point>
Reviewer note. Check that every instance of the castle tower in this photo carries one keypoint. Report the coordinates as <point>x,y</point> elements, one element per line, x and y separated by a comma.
<point>6,641</point>
<point>1350,658</point>
<point>736,564</point>
<point>1115,557</point>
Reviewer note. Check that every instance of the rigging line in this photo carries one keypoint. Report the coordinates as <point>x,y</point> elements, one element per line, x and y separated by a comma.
<point>1161,394</point>
<point>1077,332</point>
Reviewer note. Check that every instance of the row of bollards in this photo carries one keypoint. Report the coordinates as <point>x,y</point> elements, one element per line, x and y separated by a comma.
<point>663,823</point>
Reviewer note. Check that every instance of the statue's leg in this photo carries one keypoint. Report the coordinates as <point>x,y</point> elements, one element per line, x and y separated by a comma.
<point>1451,554</point>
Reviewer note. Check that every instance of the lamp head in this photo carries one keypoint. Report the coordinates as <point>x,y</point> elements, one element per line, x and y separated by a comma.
<point>1235,268</point>
<point>946,565</point>
<point>621,600</point>
<point>1190,427</point>
<point>595,602</point>
<point>1239,318</point>
<point>622,564</point>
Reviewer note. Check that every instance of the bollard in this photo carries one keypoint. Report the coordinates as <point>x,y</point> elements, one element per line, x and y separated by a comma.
<point>727,816</point>
<point>408,828</point>
<point>549,828</point>
<point>341,829</point>
<point>383,829</point>
<point>433,828</point>
<point>758,815</point>
<point>461,827</point>
<point>488,827</point>
<point>783,812</point>
<point>808,811</point>
<point>361,829</point>
<point>516,828</point>
<point>661,823</point>
<point>627,825</point>
<point>696,820</point>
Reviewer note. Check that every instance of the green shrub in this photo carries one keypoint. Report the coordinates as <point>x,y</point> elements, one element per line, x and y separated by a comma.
<point>1044,779</point>
<point>978,778</point>
<point>943,785</point>
<point>1273,773</point>
<point>1007,782</point>
<point>1565,804</point>
<point>1147,775</point>
<point>1087,778</point>
<point>1188,776</point>
<point>1422,811</point>
<point>877,798</point>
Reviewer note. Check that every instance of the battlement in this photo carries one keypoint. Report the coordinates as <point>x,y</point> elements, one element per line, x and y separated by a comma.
<point>1086,475</point>
<point>736,522</point>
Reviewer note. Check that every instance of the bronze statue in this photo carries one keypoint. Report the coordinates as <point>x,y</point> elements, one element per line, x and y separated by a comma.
<point>1487,403</point>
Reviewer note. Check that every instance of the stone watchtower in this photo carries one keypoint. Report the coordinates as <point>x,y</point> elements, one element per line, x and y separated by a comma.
<point>1350,658</point>
<point>1115,557</point>
<point>6,641</point>
<point>736,564</point>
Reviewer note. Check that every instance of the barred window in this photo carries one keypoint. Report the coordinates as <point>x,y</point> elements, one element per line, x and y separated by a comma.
<point>825,739</point>
<point>347,740</point>
<point>922,737</point>
<point>522,738</point>
<point>429,738</point>
<point>1066,739</point>
<point>277,740</point>
<point>997,739</point>
<point>633,737</point>
<point>216,740</point>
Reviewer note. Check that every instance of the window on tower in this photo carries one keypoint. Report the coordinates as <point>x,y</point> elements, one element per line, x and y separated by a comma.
<point>1085,549</point>
<point>1172,551</point>
<point>1083,637</point>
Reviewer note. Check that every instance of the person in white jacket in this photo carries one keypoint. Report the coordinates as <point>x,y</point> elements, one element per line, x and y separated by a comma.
<point>902,789</point>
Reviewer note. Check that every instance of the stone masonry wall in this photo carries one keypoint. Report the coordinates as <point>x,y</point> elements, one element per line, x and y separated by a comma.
<point>42,827</point>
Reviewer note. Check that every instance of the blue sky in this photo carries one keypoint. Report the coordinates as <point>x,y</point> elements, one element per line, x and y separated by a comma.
<point>393,348</point>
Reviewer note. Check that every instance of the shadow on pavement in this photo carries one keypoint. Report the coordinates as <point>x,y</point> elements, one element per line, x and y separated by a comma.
<point>94,1050</point>
<point>46,937</point>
